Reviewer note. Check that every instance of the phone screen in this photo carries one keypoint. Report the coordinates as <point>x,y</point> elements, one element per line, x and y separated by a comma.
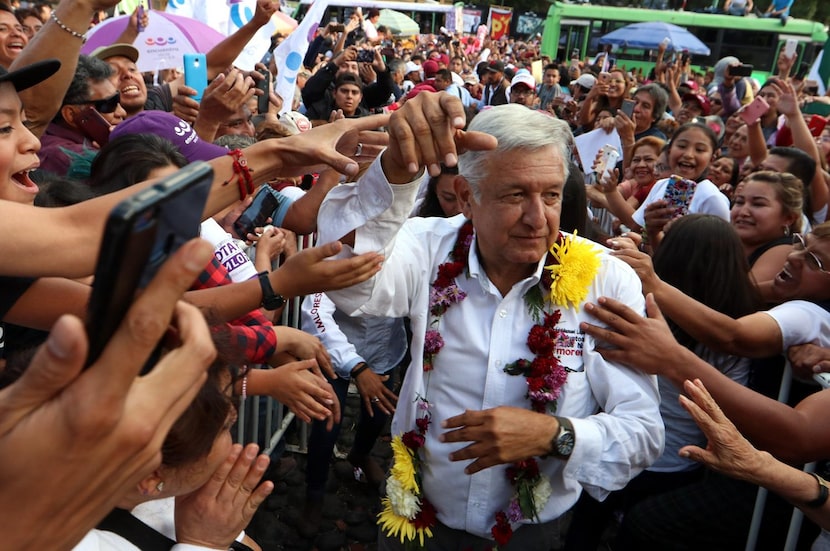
<point>264,100</point>
<point>365,56</point>
<point>141,232</point>
<point>628,107</point>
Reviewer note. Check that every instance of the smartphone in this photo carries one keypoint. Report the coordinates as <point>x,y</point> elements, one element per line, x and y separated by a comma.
<point>140,234</point>
<point>679,193</point>
<point>267,204</point>
<point>195,73</point>
<point>665,42</point>
<point>790,47</point>
<point>607,162</point>
<point>264,100</point>
<point>816,125</point>
<point>365,56</point>
<point>338,28</point>
<point>94,126</point>
<point>755,110</point>
<point>743,70</point>
<point>628,107</point>
<point>140,27</point>
<point>575,53</point>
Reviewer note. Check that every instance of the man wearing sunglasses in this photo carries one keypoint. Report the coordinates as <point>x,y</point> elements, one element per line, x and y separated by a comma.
<point>90,108</point>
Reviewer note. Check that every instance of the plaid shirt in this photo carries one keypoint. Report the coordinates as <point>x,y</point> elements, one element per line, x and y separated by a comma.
<point>252,333</point>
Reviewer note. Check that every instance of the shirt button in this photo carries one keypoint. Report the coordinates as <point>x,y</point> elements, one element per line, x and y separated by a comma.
<point>502,313</point>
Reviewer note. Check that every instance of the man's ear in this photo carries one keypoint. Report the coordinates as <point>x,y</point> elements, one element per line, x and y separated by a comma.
<point>464,192</point>
<point>69,113</point>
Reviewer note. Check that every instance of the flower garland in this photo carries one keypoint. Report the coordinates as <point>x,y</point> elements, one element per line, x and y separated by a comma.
<point>569,270</point>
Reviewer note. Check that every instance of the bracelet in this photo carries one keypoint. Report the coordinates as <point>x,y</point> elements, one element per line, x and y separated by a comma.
<point>242,174</point>
<point>359,370</point>
<point>823,492</point>
<point>244,387</point>
<point>60,24</point>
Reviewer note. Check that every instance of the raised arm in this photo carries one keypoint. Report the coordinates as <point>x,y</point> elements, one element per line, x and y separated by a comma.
<point>647,344</point>
<point>753,336</point>
<point>43,100</point>
<point>221,56</point>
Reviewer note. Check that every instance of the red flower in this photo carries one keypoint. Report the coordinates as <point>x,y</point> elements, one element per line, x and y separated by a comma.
<point>502,532</point>
<point>426,517</point>
<point>530,468</point>
<point>541,340</point>
<point>422,423</point>
<point>541,367</point>
<point>535,384</point>
<point>552,319</point>
<point>413,440</point>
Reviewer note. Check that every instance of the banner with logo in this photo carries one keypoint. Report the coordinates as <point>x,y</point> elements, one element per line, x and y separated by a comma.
<point>227,16</point>
<point>290,53</point>
<point>499,21</point>
<point>471,20</point>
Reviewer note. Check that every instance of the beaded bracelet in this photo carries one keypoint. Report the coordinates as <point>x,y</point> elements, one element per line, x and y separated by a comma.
<point>244,388</point>
<point>242,173</point>
<point>60,24</point>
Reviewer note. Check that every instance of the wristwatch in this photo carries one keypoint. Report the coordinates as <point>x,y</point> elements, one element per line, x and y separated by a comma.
<point>562,443</point>
<point>270,299</point>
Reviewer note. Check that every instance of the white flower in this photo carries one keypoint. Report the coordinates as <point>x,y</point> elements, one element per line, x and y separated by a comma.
<point>404,503</point>
<point>541,493</point>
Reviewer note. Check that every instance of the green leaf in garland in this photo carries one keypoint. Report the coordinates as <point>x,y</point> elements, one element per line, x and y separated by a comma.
<point>525,495</point>
<point>535,302</point>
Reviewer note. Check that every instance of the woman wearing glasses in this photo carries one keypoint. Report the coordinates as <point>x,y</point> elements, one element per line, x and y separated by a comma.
<point>606,95</point>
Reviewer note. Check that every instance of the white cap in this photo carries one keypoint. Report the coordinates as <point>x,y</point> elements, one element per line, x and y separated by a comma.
<point>522,76</point>
<point>586,81</point>
<point>411,67</point>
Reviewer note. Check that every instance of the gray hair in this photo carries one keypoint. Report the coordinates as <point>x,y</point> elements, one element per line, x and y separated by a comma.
<point>515,127</point>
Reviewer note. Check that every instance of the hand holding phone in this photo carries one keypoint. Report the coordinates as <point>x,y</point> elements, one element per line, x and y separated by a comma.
<point>139,26</point>
<point>267,204</point>
<point>141,232</point>
<point>743,70</point>
<point>790,47</point>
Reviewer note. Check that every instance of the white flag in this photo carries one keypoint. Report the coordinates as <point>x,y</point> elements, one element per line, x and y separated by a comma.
<point>241,12</point>
<point>289,55</point>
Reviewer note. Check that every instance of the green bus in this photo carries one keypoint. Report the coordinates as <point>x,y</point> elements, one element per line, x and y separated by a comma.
<point>753,40</point>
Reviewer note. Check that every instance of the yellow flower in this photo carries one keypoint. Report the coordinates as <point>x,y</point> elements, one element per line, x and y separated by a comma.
<point>577,265</point>
<point>403,468</point>
<point>397,526</point>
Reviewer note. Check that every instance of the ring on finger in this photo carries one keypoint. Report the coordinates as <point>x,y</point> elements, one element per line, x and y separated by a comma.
<point>375,399</point>
<point>358,150</point>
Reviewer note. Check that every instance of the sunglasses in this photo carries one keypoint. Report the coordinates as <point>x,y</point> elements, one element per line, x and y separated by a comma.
<point>106,105</point>
<point>813,262</point>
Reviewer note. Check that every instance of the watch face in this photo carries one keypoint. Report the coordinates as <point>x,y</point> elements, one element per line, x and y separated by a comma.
<point>565,444</point>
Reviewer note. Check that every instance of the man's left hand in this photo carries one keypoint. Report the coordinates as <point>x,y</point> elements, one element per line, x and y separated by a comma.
<point>499,435</point>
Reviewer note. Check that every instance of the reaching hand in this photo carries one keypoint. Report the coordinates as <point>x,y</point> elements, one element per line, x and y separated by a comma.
<point>215,514</point>
<point>99,430</point>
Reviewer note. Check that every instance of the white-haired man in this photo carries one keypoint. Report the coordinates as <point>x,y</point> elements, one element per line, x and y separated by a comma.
<point>507,412</point>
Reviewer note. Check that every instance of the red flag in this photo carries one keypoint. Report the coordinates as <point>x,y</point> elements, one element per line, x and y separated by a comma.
<point>499,21</point>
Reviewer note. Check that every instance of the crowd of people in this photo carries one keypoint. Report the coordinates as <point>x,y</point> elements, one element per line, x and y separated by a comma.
<point>474,241</point>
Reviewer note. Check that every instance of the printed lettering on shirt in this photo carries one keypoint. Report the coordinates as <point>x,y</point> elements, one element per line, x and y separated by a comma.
<point>569,349</point>
<point>315,312</point>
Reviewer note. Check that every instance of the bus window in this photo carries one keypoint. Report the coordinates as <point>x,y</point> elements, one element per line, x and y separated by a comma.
<point>751,47</point>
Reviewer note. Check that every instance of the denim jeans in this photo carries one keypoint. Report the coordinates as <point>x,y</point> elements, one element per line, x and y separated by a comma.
<point>321,441</point>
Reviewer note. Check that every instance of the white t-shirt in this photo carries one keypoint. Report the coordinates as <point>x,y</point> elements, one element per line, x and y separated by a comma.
<point>802,322</point>
<point>707,199</point>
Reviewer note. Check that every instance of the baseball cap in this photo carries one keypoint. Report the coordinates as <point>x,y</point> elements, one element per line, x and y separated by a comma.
<point>702,101</point>
<point>430,68</point>
<point>470,79</point>
<point>412,67</point>
<point>30,75</point>
<point>125,50</point>
<point>296,122</point>
<point>170,127</point>
<point>495,67</point>
<point>522,77</point>
<point>586,81</point>
<point>456,79</point>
